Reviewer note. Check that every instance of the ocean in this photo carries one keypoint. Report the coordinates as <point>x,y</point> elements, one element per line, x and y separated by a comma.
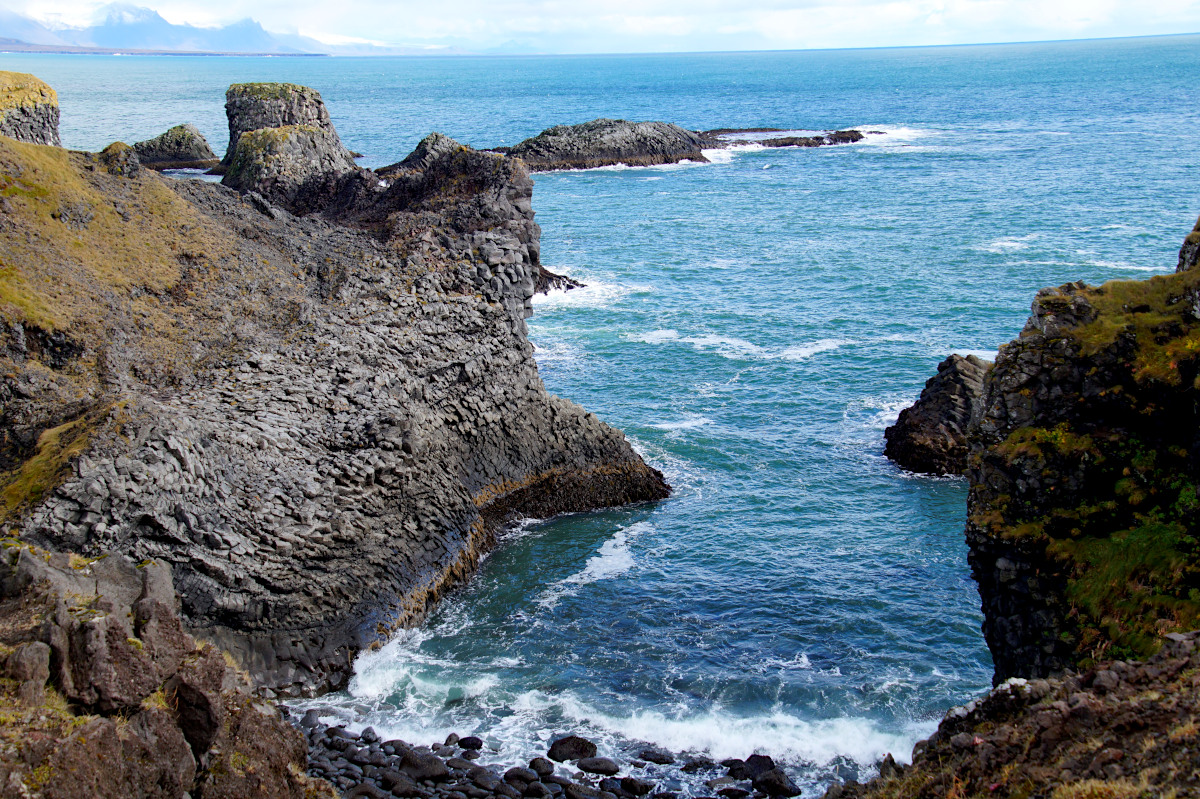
<point>752,324</point>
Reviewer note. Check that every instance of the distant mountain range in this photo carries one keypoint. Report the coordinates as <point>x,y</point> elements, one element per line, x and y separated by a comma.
<point>121,27</point>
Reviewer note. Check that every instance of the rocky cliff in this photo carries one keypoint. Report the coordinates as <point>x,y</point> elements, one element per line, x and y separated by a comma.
<point>181,147</point>
<point>1084,471</point>
<point>103,693</point>
<point>28,109</point>
<point>318,422</point>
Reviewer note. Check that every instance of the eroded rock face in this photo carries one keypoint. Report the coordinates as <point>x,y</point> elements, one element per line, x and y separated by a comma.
<point>1084,470</point>
<point>252,106</point>
<point>1119,729</point>
<point>181,147</point>
<point>297,166</point>
<point>28,109</point>
<point>931,435</point>
<point>603,142</point>
<point>118,686</point>
<point>318,421</point>
<point>428,150</point>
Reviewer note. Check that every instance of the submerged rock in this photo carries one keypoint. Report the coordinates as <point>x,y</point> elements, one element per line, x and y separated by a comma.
<point>181,147</point>
<point>28,109</point>
<point>604,142</point>
<point>931,435</point>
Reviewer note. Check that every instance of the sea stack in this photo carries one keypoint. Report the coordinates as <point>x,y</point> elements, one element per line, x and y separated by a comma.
<point>28,109</point>
<point>931,435</point>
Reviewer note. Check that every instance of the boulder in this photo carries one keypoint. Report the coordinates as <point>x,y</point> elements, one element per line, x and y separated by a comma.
<point>776,783</point>
<point>181,147</point>
<point>571,748</point>
<point>598,765</point>
<point>931,436</point>
<point>28,109</point>
<point>604,142</point>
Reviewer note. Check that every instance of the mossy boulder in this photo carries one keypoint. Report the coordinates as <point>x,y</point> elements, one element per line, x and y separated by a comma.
<point>253,106</point>
<point>28,109</point>
<point>181,147</point>
<point>605,142</point>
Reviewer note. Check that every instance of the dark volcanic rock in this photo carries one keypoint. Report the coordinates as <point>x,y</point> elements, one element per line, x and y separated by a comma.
<point>598,765</point>
<point>28,109</point>
<point>428,150</point>
<point>571,748</point>
<point>253,106</point>
<point>326,418</point>
<point>834,137</point>
<point>776,783</point>
<point>1189,253</point>
<point>298,166</point>
<point>603,142</point>
<point>104,635</point>
<point>181,147</point>
<point>931,436</point>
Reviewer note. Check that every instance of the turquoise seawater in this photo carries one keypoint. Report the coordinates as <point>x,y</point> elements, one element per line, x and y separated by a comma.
<point>753,324</point>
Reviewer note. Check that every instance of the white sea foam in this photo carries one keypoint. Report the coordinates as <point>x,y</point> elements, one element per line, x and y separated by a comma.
<point>690,422</point>
<point>653,337</point>
<point>614,558</point>
<point>1008,244</point>
<point>893,135</point>
<point>1128,267</point>
<point>986,355</point>
<point>558,355</point>
<point>593,294</point>
<point>804,351</point>
<point>726,346</point>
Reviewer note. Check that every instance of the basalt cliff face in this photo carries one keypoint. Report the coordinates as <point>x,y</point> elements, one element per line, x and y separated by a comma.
<point>319,422</point>
<point>28,109</point>
<point>1082,511</point>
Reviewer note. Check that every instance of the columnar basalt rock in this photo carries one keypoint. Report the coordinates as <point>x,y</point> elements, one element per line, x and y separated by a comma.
<point>318,421</point>
<point>604,142</point>
<point>253,106</point>
<point>28,109</point>
<point>181,147</point>
<point>297,166</point>
<point>931,435</point>
<point>1189,253</point>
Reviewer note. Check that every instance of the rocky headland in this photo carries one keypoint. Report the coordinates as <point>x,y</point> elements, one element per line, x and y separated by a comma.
<point>312,397</point>
<point>1082,512</point>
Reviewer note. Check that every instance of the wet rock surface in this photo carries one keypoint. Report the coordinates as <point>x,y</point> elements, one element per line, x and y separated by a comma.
<point>931,435</point>
<point>181,147</point>
<point>28,109</point>
<point>361,763</point>
<point>106,695</point>
<point>604,142</point>
<point>1120,729</point>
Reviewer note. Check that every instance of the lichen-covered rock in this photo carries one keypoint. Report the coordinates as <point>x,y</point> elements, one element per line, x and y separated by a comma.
<point>1121,729</point>
<point>931,435</point>
<point>28,109</point>
<point>181,147</point>
<point>1084,472</point>
<point>319,421</point>
<point>151,740</point>
<point>604,142</point>
<point>298,166</point>
<point>253,106</point>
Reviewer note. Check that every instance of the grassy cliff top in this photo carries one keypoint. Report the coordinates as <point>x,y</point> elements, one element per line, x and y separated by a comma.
<point>271,91</point>
<point>22,90</point>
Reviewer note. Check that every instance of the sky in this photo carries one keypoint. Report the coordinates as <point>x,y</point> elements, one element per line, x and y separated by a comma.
<point>571,26</point>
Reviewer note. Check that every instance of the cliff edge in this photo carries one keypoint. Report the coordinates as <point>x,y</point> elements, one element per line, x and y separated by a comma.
<point>319,422</point>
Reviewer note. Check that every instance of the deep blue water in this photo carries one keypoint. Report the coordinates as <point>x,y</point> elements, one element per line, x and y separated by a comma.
<point>752,324</point>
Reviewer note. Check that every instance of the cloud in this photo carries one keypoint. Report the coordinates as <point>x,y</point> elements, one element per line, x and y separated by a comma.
<point>648,25</point>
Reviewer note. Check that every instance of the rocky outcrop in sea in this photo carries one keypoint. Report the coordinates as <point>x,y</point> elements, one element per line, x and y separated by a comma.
<point>255,106</point>
<point>28,109</point>
<point>931,435</point>
<point>181,147</point>
<point>318,421</point>
<point>605,142</point>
